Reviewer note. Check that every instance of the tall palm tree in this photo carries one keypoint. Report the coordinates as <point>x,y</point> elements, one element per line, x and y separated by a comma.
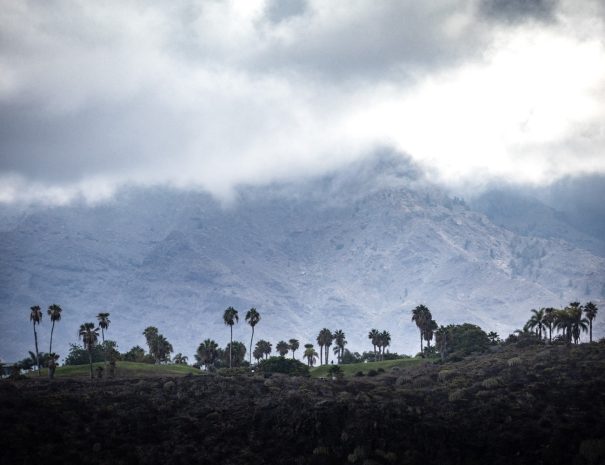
<point>420,315</point>
<point>549,321</point>
<point>536,322</point>
<point>104,321</point>
<point>164,348</point>
<point>265,347</point>
<point>151,334</point>
<point>294,345</point>
<point>590,310</point>
<point>103,324</point>
<point>320,343</point>
<point>207,353</point>
<point>578,324</point>
<point>328,339</point>
<point>230,318</point>
<point>89,335</point>
<point>340,342</point>
<point>282,348</point>
<point>563,323</point>
<point>429,330</point>
<point>35,317</point>
<point>54,311</point>
<point>385,340</point>
<point>310,354</point>
<point>324,340</point>
<point>252,318</point>
<point>373,336</point>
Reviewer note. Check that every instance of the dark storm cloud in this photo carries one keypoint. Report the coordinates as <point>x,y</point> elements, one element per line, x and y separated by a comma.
<point>519,10</point>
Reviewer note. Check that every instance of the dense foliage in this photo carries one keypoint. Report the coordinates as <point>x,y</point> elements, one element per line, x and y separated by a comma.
<point>283,365</point>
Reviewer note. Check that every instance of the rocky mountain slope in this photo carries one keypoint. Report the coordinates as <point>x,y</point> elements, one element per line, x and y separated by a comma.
<point>354,250</point>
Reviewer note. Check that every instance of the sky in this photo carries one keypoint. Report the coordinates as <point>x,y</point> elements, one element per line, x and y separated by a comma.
<point>213,95</point>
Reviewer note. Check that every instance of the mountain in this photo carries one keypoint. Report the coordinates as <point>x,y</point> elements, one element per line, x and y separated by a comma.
<point>355,249</point>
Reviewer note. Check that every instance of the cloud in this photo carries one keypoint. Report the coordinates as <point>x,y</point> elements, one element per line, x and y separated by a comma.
<point>211,95</point>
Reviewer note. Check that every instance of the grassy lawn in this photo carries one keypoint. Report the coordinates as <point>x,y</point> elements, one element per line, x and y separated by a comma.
<point>127,370</point>
<point>351,369</point>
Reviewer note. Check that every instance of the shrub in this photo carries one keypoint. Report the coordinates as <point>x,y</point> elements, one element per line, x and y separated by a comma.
<point>283,365</point>
<point>372,372</point>
<point>335,371</point>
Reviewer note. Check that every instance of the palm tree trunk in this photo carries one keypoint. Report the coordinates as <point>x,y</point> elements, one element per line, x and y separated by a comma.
<point>251,339</point>
<point>321,355</point>
<point>230,344</point>
<point>374,351</point>
<point>104,348</point>
<point>90,361</point>
<point>52,329</point>
<point>590,326</point>
<point>420,342</point>
<point>37,356</point>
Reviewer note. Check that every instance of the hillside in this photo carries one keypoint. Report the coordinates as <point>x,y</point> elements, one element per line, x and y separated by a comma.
<point>354,250</point>
<point>538,405</point>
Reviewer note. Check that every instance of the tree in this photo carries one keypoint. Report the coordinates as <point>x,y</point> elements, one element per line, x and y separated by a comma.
<point>294,345</point>
<point>207,353</point>
<point>151,336</point>
<point>324,341</point>
<point>252,318</point>
<point>420,315</point>
<point>340,342</point>
<point>164,349</point>
<point>35,317</point>
<point>428,330</point>
<point>180,359</point>
<point>590,310</point>
<point>282,348</point>
<point>549,320</point>
<point>493,337</point>
<point>462,339</point>
<point>236,350</point>
<point>52,364</point>
<point>374,336</point>
<point>89,335</point>
<point>265,347</point>
<point>385,341</point>
<point>578,324</point>
<point>230,318</point>
<point>258,353</point>
<point>310,354</point>
<point>135,354</point>
<point>54,312</point>
<point>536,322</point>
<point>104,321</point>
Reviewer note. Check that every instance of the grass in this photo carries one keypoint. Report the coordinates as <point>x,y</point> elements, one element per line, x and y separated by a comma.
<point>127,370</point>
<point>352,368</point>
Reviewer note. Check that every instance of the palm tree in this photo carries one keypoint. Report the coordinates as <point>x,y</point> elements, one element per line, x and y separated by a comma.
<point>536,322</point>
<point>562,321</point>
<point>252,318</point>
<point>258,353</point>
<point>590,310</point>
<point>385,341</point>
<point>230,318</point>
<point>578,324</point>
<point>282,348</point>
<point>340,341</point>
<point>207,353</point>
<point>374,335</point>
<point>54,311</point>
<point>89,335</point>
<point>151,334</point>
<point>549,321</point>
<point>420,315</point>
<point>294,345</point>
<point>428,331</point>
<point>103,324</point>
<point>237,349</point>
<point>180,359</point>
<point>324,340</point>
<point>265,347</point>
<point>52,364</point>
<point>310,354</point>
<point>164,348</point>
<point>35,317</point>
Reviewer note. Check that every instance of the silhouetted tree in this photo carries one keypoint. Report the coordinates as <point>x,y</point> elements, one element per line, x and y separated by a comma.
<point>590,310</point>
<point>207,353</point>
<point>35,317</point>
<point>89,335</point>
<point>54,312</point>
<point>282,348</point>
<point>230,318</point>
<point>104,321</point>
<point>294,345</point>
<point>373,336</point>
<point>252,318</point>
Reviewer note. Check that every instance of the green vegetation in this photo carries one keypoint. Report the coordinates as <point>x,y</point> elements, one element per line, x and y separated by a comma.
<point>283,365</point>
<point>352,369</point>
<point>129,370</point>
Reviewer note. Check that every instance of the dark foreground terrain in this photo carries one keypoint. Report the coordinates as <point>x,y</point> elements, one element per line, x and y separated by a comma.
<point>540,405</point>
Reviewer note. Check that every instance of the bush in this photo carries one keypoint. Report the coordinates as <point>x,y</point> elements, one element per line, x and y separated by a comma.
<point>237,371</point>
<point>335,372</point>
<point>372,372</point>
<point>283,365</point>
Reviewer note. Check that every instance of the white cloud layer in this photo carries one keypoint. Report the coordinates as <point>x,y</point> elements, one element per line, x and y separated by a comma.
<point>213,94</point>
